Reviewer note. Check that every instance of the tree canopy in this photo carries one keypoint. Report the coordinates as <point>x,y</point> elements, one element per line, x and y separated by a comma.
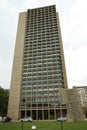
<point>4,95</point>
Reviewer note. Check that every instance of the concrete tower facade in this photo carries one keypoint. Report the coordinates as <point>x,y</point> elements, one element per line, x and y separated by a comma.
<point>38,68</point>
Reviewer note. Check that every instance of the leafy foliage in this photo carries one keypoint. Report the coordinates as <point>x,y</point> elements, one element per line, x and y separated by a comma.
<point>4,94</point>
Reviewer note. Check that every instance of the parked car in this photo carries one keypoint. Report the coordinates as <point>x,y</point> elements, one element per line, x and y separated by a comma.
<point>62,119</point>
<point>26,119</point>
<point>6,119</point>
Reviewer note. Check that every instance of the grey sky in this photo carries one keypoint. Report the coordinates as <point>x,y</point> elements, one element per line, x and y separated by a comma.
<point>73,21</point>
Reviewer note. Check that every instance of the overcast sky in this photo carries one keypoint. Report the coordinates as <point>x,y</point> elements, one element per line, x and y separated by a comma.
<point>73,21</point>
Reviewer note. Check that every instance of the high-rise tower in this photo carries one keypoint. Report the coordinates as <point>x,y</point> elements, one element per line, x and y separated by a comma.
<point>38,68</point>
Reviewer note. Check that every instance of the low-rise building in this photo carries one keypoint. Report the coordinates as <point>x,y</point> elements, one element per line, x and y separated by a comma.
<point>75,109</point>
<point>82,91</point>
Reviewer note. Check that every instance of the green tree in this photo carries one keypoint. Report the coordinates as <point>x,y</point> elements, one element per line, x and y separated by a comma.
<point>4,95</point>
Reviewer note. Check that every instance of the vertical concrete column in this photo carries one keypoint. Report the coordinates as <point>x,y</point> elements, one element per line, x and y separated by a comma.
<point>15,87</point>
<point>37,115</point>
<point>55,114</point>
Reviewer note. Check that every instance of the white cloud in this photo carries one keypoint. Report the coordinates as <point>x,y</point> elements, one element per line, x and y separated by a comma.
<point>74,30</point>
<point>76,66</point>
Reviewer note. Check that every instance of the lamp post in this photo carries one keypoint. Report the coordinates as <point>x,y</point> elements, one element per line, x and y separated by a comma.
<point>61,120</point>
<point>61,125</point>
<point>22,125</point>
<point>25,112</point>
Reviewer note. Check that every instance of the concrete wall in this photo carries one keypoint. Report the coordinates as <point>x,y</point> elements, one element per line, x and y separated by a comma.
<point>13,108</point>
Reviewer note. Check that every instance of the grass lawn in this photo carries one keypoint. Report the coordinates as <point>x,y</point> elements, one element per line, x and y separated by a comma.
<point>45,126</point>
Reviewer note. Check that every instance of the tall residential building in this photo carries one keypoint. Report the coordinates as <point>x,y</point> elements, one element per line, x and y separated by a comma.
<point>38,69</point>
